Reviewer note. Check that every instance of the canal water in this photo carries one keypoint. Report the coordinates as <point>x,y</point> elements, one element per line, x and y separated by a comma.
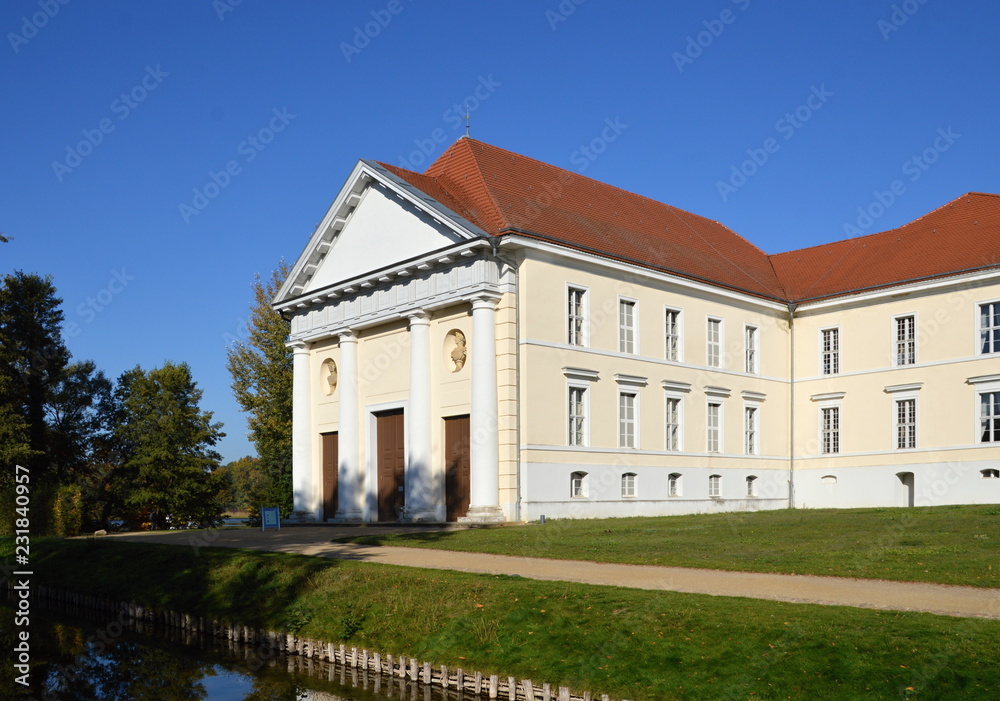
<point>79,658</point>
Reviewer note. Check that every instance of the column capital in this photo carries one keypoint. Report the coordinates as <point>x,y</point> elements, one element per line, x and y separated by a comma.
<point>484,300</point>
<point>418,317</point>
<point>298,346</point>
<point>347,336</point>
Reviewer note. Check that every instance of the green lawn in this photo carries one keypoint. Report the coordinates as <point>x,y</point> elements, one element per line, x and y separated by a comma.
<point>627,643</point>
<point>945,544</point>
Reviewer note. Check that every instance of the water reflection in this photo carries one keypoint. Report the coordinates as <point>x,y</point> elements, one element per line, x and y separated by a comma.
<point>77,659</point>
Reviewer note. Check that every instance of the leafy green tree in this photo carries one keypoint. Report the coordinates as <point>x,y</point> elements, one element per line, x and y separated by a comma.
<point>166,440</point>
<point>240,480</point>
<point>261,367</point>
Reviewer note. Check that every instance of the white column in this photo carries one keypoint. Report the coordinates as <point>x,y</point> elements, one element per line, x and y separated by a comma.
<point>484,439</point>
<point>304,489</point>
<point>422,490</point>
<point>350,479</point>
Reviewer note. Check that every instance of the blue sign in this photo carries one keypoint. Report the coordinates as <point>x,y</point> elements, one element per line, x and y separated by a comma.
<point>269,517</point>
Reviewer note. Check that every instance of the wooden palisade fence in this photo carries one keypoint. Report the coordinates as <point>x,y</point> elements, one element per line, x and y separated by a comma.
<point>303,652</point>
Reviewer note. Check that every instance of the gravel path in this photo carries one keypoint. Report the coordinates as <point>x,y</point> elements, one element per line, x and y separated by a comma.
<point>941,599</point>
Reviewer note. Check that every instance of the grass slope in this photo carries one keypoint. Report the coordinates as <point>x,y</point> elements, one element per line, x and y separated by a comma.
<point>630,644</point>
<point>946,544</point>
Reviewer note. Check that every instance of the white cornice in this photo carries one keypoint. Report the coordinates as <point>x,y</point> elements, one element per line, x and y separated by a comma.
<point>631,380</point>
<point>828,396</point>
<point>983,379</point>
<point>672,386</point>
<point>564,251</point>
<point>909,387</point>
<point>960,281</point>
<point>718,392</point>
<point>581,374</point>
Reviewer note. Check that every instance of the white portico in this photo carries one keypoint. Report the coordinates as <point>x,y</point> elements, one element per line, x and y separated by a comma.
<point>393,307</point>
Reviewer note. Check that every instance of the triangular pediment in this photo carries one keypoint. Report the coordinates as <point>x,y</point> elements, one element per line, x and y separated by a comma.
<point>376,221</point>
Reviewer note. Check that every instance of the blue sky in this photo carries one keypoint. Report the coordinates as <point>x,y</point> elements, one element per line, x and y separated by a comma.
<point>779,119</point>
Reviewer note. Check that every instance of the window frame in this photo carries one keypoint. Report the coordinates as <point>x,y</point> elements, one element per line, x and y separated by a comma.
<point>634,420</point>
<point>716,345</point>
<point>717,403</point>
<point>751,428</point>
<point>630,484</point>
<point>994,330</point>
<point>751,348</point>
<point>911,341</point>
<point>678,334</point>
<point>834,431</point>
<point>751,483</point>
<point>633,330</point>
<point>675,485</point>
<point>678,414</point>
<point>579,477</point>
<point>584,316</point>
<point>834,353</point>
<point>715,486</point>
<point>994,416</point>
<point>583,387</point>
<point>897,426</point>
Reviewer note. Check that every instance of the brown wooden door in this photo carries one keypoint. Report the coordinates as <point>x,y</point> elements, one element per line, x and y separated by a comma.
<point>331,458</point>
<point>391,464</point>
<point>456,480</point>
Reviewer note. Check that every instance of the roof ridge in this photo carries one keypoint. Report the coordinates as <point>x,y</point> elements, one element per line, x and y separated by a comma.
<point>442,172</point>
<point>853,239</point>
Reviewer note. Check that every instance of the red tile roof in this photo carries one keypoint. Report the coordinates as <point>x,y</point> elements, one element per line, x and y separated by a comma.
<point>503,192</point>
<point>961,236</point>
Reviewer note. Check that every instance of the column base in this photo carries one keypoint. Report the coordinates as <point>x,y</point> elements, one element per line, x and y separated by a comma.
<point>419,516</point>
<point>348,517</point>
<point>301,517</point>
<point>483,514</point>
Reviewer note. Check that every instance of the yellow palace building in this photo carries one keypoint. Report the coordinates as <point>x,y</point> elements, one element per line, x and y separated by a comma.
<point>498,339</point>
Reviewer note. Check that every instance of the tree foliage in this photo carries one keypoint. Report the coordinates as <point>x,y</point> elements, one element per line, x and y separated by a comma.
<point>32,359</point>
<point>261,367</point>
<point>165,440</point>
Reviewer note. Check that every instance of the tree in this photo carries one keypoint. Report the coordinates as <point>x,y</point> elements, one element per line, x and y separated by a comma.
<point>241,479</point>
<point>261,367</point>
<point>166,441</point>
<point>32,358</point>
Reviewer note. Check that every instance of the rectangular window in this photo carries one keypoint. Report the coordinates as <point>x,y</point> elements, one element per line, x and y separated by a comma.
<point>577,416</point>
<point>626,420</point>
<point>751,349</point>
<point>626,326</point>
<point>989,327</point>
<point>674,485</point>
<point>831,351</point>
<point>715,486</point>
<point>750,430</point>
<point>673,441</point>
<point>906,340</point>
<point>714,351</point>
<point>830,429</point>
<point>989,417</point>
<point>906,423</point>
<point>576,316</point>
<point>714,425</point>
<point>673,335</point>
<point>628,485</point>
